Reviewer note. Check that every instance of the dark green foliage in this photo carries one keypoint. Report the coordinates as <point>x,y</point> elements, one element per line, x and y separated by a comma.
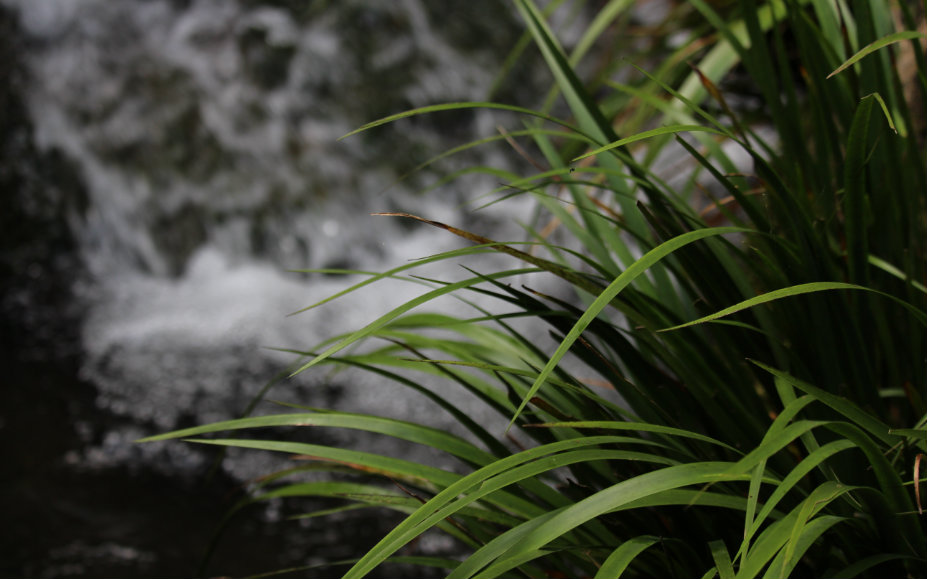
<point>771,370</point>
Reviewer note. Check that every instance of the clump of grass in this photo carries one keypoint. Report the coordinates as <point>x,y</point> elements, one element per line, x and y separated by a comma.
<point>763,322</point>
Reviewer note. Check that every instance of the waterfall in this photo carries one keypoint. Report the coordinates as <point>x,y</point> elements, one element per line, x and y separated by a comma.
<point>206,133</point>
<point>197,162</point>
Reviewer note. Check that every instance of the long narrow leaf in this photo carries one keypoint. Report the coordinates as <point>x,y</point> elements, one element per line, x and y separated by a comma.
<point>877,45</point>
<point>611,292</point>
<point>456,107</point>
<point>614,497</point>
<point>399,429</point>
<point>385,319</point>
<point>669,130</point>
<point>620,558</point>
<point>794,291</point>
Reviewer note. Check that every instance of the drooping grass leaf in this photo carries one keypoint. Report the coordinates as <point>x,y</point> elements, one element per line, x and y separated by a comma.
<point>456,107</point>
<point>620,558</point>
<point>621,282</point>
<point>669,130</point>
<point>606,500</point>
<point>412,432</point>
<point>877,45</point>
<point>481,483</point>
<point>794,291</point>
<point>385,319</point>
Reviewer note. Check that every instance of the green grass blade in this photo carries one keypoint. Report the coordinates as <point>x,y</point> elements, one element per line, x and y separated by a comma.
<point>603,19</point>
<point>392,315</point>
<point>501,473</point>
<point>410,431</point>
<point>859,567</point>
<point>877,45</point>
<point>855,196</point>
<point>814,460</point>
<point>337,489</point>
<point>624,555</point>
<point>724,56</point>
<point>693,498</point>
<point>776,537</point>
<point>635,426</point>
<point>456,107</point>
<point>914,436</point>
<point>392,273</point>
<point>412,472</point>
<point>753,498</point>
<point>613,498</point>
<point>722,559</point>
<point>668,130</point>
<point>896,272</point>
<point>498,546</point>
<point>794,291</point>
<point>588,115</point>
<point>801,540</point>
<point>847,408</point>
<point>622,281</point>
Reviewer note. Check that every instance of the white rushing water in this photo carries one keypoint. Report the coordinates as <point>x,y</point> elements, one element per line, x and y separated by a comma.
<point>206,132</point>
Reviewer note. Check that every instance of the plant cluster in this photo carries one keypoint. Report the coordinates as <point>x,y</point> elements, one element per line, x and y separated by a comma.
<point>761,323</point>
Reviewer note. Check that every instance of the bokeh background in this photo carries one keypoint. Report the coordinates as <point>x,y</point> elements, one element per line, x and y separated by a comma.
<point>164,165</point>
